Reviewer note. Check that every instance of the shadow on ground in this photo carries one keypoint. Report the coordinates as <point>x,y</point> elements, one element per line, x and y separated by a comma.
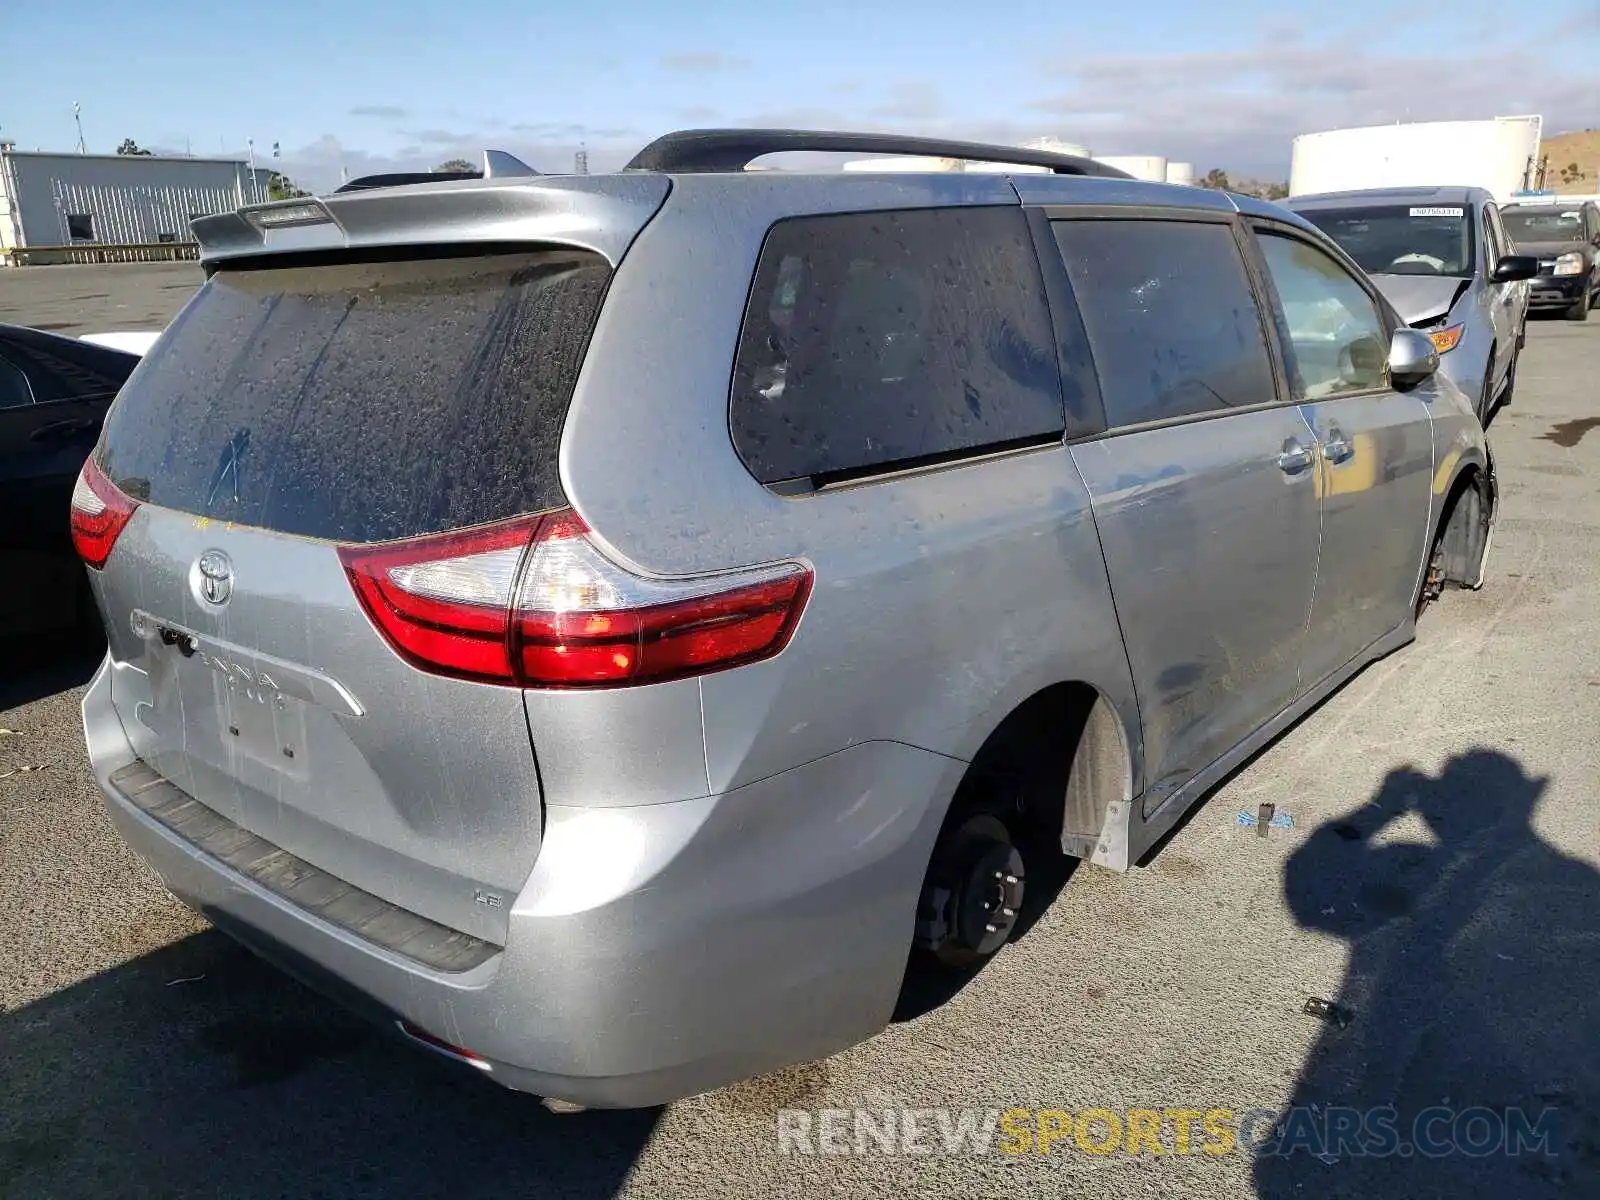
<point>201,1071</point>
<point>1474,984</point>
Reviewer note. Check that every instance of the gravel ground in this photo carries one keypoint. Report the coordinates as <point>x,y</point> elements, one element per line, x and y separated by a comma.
<point>1441,881</point>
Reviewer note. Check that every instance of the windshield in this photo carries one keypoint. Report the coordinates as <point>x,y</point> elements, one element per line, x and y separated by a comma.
<point>1399,239</point>
<point>1543,224</point>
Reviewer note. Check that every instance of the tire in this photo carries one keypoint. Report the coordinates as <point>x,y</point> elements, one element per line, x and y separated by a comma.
<point>973,893</point>
<point>1579,311</point>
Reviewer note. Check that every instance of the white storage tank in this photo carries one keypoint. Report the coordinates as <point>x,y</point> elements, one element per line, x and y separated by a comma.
<point>1180,172</point>
<point>1141,166</point>
<point>1056,146</point>
<point>1499,154</point>
<point>905,162</point>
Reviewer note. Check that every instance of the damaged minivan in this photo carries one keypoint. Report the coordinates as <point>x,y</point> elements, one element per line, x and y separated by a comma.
<point>606,626</point>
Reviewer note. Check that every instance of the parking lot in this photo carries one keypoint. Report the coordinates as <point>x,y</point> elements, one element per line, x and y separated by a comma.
<point>1440,882</point>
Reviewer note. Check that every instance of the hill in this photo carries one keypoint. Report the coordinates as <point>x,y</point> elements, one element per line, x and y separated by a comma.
<point>1564,151</point>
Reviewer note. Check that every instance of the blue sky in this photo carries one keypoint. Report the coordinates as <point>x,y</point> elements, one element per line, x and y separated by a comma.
<point>405,83</point>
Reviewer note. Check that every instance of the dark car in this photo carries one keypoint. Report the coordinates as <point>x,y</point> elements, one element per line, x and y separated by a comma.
<point>54,392</point>
<point>1566,240</point>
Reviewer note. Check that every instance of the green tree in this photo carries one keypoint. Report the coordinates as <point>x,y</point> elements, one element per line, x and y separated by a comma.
<point>1276,191</point>
<point>281,187</point>
<point>1216,178</point>
<point>1571,173</point>
<point>455,164</point>
<point>129,146</point>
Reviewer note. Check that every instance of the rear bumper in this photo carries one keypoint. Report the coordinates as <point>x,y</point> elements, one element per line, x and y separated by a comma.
<point>656,951</point>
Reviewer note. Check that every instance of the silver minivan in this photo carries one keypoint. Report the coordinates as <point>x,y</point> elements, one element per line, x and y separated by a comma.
<point>605,626</point>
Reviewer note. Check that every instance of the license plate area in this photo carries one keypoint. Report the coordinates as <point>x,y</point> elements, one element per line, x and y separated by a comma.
<point>223,707</point>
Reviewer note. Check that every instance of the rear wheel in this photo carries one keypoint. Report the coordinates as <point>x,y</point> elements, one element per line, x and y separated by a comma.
<point>973,892</point>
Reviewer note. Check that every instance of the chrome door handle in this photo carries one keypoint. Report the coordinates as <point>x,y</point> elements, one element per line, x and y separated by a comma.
<point>1339,449</point>
<point>1294,457</point>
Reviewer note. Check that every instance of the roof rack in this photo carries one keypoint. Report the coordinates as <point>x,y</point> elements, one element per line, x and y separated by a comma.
<point>692,151</point>
<point>497,164</point>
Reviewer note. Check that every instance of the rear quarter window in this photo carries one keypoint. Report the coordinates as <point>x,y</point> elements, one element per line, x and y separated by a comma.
<point>879,339</point>
<point>362,401</point>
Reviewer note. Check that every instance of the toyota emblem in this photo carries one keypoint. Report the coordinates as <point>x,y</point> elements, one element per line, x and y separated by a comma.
<point>216,577</point>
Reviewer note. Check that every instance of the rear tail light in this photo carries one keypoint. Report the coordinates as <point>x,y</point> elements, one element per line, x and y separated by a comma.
<point>100,512</point>
<point>534,603</point>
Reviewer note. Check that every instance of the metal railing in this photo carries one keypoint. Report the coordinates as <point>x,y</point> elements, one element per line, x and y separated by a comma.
<point>83,252</point>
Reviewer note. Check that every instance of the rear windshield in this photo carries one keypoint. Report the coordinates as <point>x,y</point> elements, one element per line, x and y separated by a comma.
<point>364,401</point>
<point>1402,239</point>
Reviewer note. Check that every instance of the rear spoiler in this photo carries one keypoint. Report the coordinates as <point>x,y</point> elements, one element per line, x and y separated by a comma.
<point>497,164</point>
<point>591,212</point>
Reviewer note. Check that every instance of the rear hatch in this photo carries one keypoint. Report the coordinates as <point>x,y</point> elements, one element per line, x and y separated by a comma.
<point>297,407</point>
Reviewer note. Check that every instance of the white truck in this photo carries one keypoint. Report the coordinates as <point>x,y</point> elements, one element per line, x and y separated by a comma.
<point>1500,155</point>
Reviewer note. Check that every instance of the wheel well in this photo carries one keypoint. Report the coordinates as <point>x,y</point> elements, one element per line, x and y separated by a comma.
<point>1054,767</point>
<point>1463,533</point>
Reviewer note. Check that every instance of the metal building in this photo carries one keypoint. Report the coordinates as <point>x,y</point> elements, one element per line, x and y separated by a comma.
<point>87,202</point>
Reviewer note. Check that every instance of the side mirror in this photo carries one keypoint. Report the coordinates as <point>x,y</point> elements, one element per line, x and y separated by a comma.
<point>1412,358</point>
<point>1513,267</point>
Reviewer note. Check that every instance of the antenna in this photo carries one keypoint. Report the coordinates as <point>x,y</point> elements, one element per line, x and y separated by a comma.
<point>78,121</point>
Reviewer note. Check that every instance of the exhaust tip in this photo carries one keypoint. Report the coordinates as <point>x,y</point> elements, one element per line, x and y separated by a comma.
<point>563,1107</point>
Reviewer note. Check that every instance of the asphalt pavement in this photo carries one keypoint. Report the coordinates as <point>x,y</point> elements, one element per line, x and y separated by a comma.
<point>1440,885</point>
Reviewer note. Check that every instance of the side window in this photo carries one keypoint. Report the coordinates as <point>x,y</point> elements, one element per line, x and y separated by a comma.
<point>1332,332</point>
<point>1494,238</point>
<point>1171,317</point>
<point>874,339</point>
<point>14,389</point>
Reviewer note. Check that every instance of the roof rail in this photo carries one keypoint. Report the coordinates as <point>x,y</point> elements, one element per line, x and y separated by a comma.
<point>497,164</point>
<point>706,150</point>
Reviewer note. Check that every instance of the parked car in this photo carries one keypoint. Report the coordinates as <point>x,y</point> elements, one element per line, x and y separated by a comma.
<point>602,625</point>
<point>54,391</point>
<point>1442,258</point>
<point>1565,237</point>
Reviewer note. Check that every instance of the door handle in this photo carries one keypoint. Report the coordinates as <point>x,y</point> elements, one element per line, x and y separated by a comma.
<point>1295,457</point>
<point>1338,448</point>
